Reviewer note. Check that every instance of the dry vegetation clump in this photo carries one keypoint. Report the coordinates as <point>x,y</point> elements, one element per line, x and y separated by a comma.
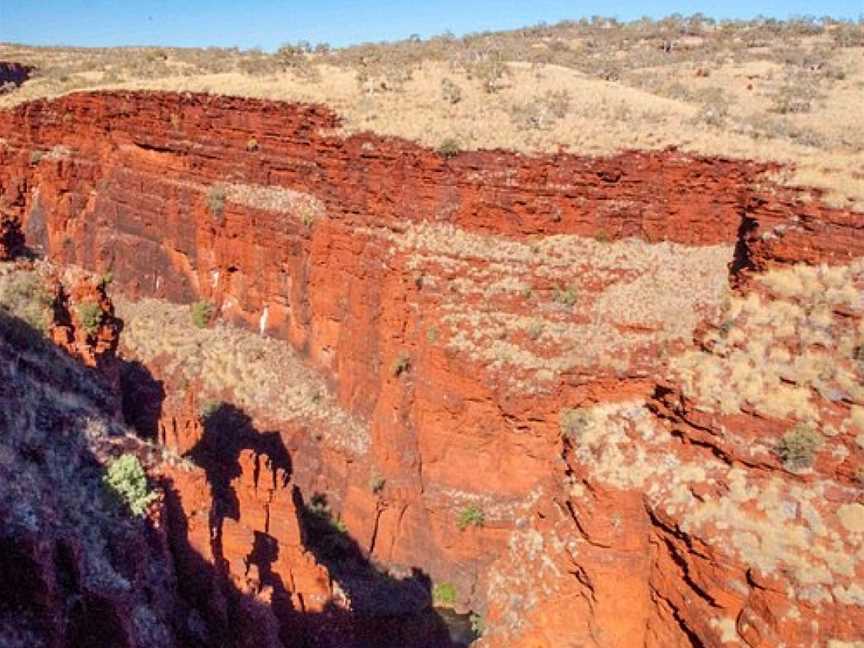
<point>541,112</point>
<point>798,447</point>
<point>24,295</point>
<point>216,201</point>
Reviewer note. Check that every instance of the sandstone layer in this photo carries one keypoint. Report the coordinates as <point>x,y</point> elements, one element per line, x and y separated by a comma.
<point>566,386</point>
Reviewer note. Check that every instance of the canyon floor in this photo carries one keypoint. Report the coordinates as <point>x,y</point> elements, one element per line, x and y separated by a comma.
<point>542,338</point>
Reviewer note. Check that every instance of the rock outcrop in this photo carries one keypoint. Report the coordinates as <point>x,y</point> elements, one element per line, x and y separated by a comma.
<point>613,402</point>
<point>13,74</point>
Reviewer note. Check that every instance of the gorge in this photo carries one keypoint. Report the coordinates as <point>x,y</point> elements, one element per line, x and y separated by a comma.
<point>574,390</point>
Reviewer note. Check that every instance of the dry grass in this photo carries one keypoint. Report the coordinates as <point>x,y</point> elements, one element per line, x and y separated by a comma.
<point>783,353</point>
<point>262,375</point>
<point>530,311</point>
<point>763,90</point>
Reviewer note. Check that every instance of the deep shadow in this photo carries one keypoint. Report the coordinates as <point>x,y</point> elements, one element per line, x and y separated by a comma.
<point>141,397</point>
<point>741,257</point>
<point>384,611</point>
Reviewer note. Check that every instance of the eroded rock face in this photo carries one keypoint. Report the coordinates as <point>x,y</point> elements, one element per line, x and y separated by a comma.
<point>576,389</point>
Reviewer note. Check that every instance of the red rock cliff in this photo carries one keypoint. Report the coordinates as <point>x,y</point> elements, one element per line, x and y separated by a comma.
<point>564,410</point>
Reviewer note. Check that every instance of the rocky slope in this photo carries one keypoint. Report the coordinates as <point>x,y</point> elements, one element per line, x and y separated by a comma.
<point>610,402</point>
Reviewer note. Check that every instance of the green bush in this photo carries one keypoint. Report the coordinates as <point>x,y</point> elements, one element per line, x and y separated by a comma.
<point>126,479</point>
<point>202,313</point>
<point>90,316</point>
<point>798,447</point>
<point>471,515</point>
<point>444,594</point>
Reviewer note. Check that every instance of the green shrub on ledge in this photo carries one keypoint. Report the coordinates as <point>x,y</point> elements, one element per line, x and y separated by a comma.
<point>90,316</point>
<point>202,313</point>
<point>126,479</point>
<point>471,515</point>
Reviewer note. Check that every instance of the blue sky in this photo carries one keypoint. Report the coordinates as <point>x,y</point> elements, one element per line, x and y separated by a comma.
<point>269,23</point>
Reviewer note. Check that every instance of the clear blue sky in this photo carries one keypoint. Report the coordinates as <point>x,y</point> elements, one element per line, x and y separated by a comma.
<point>269,23</point>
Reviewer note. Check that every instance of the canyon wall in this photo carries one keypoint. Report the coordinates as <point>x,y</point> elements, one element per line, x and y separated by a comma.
<point>564,385</point>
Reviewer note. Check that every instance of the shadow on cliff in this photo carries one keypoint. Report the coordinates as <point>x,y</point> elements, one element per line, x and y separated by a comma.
<point>383,612</point>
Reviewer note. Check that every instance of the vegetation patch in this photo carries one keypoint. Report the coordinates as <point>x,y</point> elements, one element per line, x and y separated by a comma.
<point>565,295</point>
<point>90,316</point>
<point>24,295</point>
<point>401,365</point>
<point>574,421</point>
<point>202,313</point>
<point>449,148</point>
<point>798,447</point>
<point>126,479</point>
<point>444,594</point>
<point>471,515</point>
<point>216,201</point>
<point>376,483</point>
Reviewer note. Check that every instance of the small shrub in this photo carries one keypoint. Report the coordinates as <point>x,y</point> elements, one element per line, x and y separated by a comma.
<point>208,409</point>
<point>444,594</point>
<point>202,313</point>
<point>90,315</point>
<point>490,68</point>
<point>449,148</point>
<point>450,92</point>
<point>471,515</point>
<point>432,334</point>
<point>602,236</point>
<point>36,156</point>
<point>125,478</point>
<point>792,100</point>
<point>798,447</point>
<point>574,421</point>
<point>565,295</point>
<point>535,330</point>
<point>106,279</point>
<point>252,145</point>
<point>216,200</point>
<point>402,364</point>
<point>376,483</point>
